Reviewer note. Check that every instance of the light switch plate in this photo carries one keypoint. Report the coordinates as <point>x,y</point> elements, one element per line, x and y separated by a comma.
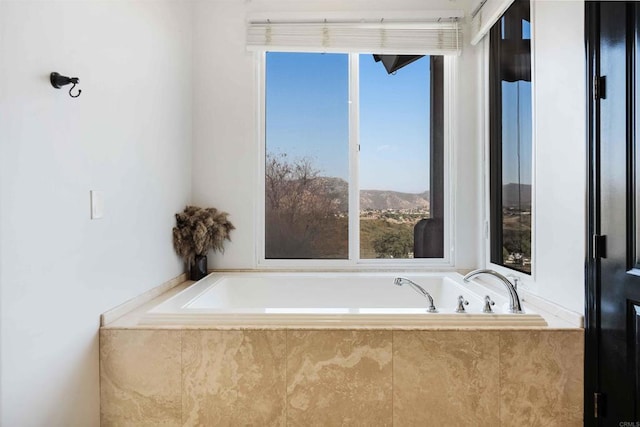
<point>97,204</point>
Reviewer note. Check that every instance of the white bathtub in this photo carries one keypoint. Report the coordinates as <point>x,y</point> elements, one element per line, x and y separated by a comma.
<point>333,300</point>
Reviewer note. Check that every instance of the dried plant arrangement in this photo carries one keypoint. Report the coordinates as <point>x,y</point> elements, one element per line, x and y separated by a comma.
<point>199,230</point>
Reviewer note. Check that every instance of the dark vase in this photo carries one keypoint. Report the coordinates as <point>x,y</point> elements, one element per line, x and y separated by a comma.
<point>198,269</point>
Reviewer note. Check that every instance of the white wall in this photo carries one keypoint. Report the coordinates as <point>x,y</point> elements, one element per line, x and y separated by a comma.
<point>225,146</point>
<point>561,153</point>
<point>225,153</point>
<point>129,135</point>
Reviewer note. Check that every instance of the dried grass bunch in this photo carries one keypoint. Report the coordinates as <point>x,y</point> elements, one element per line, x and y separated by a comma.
<point>198,230</point>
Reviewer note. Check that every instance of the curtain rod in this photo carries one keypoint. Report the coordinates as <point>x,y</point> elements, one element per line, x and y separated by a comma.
<point>452,19</point>
<point>355,17</point>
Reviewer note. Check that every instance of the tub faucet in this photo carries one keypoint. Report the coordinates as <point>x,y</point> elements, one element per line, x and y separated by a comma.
<point>399,281</point>
<point>488,302</point>
<point>461,303</point>
<point>514,303</point>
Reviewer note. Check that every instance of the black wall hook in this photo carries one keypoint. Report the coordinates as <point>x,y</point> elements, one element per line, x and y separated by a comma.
<point>58,81</point>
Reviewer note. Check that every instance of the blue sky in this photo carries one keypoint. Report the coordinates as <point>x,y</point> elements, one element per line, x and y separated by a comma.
<point>516,107</point>
<point>516,99</point>
<point>307,109</point>
<point>394,126</point>
<point>307,116</point>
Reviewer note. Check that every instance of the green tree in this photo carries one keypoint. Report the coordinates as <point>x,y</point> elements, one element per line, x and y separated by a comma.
<point>393,244</point>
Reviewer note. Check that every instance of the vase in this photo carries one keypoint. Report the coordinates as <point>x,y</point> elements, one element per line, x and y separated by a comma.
<point>198,269</point>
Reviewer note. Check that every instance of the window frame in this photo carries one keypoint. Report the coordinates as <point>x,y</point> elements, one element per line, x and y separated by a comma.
<point>354,261</point>
<point>528,279</point>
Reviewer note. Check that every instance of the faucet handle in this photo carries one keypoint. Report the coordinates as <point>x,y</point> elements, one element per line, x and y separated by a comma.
<point>488,302</point>
<point>461,303</point>
<point>515,279</point>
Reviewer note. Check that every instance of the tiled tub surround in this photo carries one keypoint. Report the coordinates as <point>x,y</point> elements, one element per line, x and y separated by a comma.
<point>375,377</point>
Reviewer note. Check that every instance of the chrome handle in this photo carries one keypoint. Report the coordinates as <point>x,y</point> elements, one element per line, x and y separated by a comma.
<point>461,303</point>
<point>488,302</point>
<point>516,280</point>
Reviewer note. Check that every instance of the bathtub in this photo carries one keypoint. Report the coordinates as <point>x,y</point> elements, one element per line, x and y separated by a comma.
<point>336,300</point>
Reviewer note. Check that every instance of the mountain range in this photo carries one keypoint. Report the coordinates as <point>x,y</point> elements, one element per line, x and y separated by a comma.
<point>385,199</point>
<point>376,199</point>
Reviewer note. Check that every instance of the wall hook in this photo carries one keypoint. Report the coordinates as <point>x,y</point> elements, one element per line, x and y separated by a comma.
<point>58,81</point>
<point>76,95</point>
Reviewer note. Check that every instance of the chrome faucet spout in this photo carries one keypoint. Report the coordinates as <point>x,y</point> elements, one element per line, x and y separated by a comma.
<point>399,281</point>
<point>514,303</point>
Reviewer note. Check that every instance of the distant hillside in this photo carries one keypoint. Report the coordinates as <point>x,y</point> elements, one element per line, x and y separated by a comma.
<point>380,200</point>
<point>338,189</point>
<point>510,195</point>
<point>383,200</point>
<point>375,199</point>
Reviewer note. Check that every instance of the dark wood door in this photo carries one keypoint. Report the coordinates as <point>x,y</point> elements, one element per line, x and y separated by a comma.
<point>612,378</point>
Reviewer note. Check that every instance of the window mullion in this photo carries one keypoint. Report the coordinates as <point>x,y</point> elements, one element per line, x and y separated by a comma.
<point>354,154</point>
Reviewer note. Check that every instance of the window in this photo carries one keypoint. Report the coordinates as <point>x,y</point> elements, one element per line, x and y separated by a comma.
<point>307,156</point>
<point>511,139</point>
<point>354,156</point>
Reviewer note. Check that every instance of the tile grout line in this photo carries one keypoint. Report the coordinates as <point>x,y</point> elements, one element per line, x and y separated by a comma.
<point>499,378</point>
<point>100,373</point>
<point>393,382</point>
<point>181,377</point>
<point>286,368</point>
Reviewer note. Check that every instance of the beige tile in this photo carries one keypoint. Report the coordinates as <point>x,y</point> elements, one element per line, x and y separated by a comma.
<point>233,378</point>
<point>140,378</point>
<point>541,377</point>
<point>445,378</point>
<point>339,378</point>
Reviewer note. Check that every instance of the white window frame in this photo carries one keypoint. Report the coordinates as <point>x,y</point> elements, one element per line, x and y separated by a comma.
<point>354,261</point>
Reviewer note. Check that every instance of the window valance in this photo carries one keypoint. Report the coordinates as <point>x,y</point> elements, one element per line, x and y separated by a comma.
<point>440,36</point>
